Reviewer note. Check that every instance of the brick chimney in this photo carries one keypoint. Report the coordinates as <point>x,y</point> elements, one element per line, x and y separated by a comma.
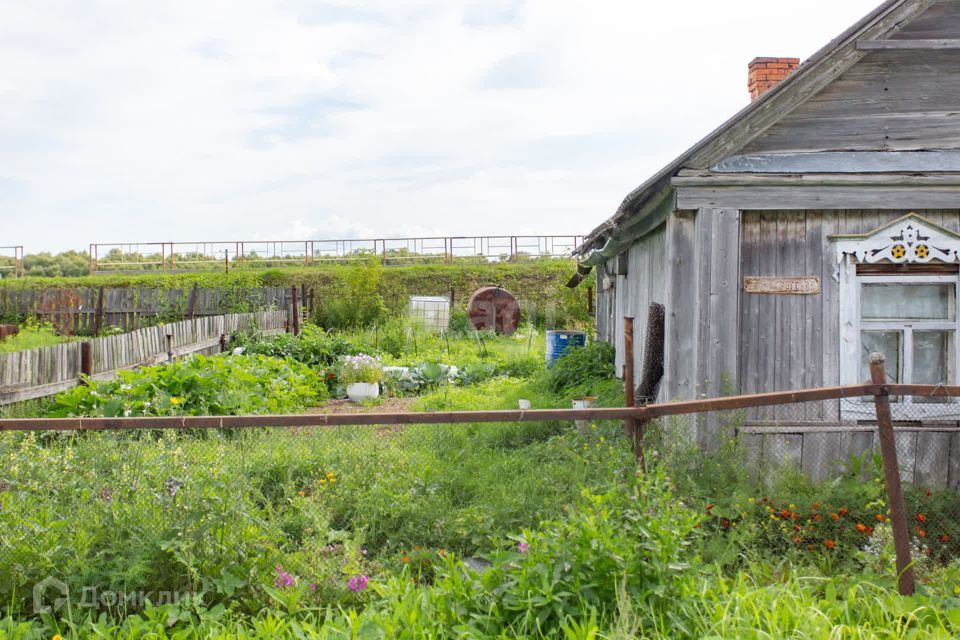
<point>766,73</point>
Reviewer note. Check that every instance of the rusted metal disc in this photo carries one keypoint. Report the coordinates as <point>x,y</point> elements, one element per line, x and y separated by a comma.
<point>494,308</point>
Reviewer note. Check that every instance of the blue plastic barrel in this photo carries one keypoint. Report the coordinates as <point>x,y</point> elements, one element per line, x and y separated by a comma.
<point>558,341</point>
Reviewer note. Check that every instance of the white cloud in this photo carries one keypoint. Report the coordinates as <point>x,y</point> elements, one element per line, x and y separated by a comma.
<point>124,121</point>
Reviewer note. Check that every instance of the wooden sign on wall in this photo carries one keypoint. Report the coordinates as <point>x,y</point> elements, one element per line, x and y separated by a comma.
<point>798,286</point>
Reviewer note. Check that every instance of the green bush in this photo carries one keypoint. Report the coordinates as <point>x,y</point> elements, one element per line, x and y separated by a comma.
<point>199,385</point>
<point>580,367</point>
<point>359,304</point>
<point>314,346</point>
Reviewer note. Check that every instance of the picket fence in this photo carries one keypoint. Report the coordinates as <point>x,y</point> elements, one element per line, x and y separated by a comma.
<point>35,373</point>
<point>76,310</point>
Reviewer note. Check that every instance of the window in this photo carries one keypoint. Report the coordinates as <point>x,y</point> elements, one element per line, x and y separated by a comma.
<point>912,320</point>
<point>898,296</point>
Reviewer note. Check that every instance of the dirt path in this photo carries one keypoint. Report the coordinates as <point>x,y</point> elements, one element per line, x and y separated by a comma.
<point>389,405</point>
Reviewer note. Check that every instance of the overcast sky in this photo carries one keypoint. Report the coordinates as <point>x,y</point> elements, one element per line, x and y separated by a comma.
<point>287,119</point>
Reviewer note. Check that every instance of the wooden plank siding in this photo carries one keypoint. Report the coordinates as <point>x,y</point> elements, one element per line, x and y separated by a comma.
<point>891,100</point>
<point>644,282</point>
<point>789,342</point>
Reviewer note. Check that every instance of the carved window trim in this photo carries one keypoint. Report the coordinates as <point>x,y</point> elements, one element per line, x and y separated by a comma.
<point>914,249</point>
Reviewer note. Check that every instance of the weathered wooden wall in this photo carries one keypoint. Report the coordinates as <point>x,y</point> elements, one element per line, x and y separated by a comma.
<point>895,100</point>
<point>130,308</point>
<point>722,340</point>
<point>45,371</point>
<point>638,281</point>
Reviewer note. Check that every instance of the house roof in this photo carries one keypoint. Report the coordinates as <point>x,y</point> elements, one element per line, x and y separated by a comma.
<point>643,208</point>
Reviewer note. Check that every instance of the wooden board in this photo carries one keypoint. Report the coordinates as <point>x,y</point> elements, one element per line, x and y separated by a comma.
<point>796,285</point>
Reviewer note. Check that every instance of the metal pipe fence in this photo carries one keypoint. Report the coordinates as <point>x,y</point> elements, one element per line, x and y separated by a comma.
<point>11,261</point>
<point>765,448</point>
<point>137,257</point>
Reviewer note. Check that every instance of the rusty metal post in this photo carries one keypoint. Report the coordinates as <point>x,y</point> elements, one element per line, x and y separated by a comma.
<point>891,475</point>
<point>86,360</point>
<point>629,424</point>
<point>226,260</point>
<point>296,310</point>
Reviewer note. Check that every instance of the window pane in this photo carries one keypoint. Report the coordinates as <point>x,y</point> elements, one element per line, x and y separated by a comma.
<point>907,302</point>
<point>932,359</point>
<point>885,342</point>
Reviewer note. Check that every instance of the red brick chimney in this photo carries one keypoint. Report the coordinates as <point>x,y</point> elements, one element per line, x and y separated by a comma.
<point>766,73</point>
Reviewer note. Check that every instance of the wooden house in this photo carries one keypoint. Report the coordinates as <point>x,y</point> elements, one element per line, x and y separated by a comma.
<point>817,225</point>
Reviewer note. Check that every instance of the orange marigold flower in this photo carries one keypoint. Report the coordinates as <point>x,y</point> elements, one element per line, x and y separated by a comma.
<point>796,527</point>
<point>405,559</point>
<point>816,505</point>
<point>809,547</point>
<point>796,539</point>
<point>710,506</point>
<point>816,517</point>
<point>829,544</point>
<point>921,518</point>
<point>878,517</point>
<point>842,511</point>
<point>834,516</point>
<point>862,528</point>
<point>944,538</point>
<point>784,513</point>
<point>921,532</point>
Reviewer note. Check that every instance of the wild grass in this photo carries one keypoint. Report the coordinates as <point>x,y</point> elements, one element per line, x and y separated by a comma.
<point>32,335</point>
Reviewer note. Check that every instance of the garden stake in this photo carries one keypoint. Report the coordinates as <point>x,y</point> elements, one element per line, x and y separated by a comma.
<point>891,474</point>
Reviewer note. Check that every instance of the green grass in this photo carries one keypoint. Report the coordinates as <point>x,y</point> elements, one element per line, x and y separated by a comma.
<point>266,527</point>
<point>32,336</point>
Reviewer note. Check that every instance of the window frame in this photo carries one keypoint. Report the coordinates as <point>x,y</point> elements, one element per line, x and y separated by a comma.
<point>852,325</point>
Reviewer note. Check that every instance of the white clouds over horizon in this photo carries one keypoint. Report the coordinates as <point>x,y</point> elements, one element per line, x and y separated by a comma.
<point>132,121</point>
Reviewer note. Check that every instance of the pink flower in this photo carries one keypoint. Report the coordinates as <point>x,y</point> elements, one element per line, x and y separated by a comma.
<point>313,586</point>
<point>522,547</point>
<point>283,580</point>
<point>357,583</point>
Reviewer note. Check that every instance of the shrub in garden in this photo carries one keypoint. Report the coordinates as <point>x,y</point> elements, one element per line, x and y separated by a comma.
<point>579,367</point>
<point>199,385</point>
<point>314,346</point>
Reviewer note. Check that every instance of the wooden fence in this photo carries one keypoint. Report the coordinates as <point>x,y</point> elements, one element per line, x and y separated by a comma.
<point>36,373</point>
<point>82,310</point>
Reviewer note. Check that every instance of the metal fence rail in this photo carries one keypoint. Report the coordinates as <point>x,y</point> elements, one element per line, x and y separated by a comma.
<point>11,261</point>
<point>135,257</point>
<point>636,420</point>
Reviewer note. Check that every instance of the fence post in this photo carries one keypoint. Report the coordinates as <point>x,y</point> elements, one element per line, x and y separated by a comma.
<point>192,302</point>
<point>629,425</point>
<point>98,318</point>
<point>296,310</point>
<point>86,360</point>
<point>223,342</point>
<point>590,300</point>
<point>891,474</point>
<point>170,347</point>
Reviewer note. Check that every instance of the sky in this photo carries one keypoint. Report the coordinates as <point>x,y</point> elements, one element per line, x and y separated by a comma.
<point>186,120</point>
